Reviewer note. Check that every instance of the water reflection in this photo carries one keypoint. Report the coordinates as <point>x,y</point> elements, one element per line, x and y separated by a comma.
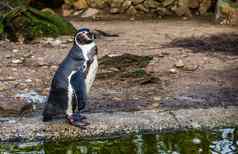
<point>221,141</point>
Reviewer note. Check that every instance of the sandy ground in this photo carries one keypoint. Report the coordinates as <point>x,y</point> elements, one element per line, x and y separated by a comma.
<point>208,77</point>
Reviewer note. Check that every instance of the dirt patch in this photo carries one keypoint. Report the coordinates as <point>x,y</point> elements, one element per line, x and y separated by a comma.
<point>223,42</point>
<point>126,67</point>
<point>125,84</point>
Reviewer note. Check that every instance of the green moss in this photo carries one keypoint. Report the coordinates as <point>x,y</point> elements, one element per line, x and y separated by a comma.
<point>32,23</point>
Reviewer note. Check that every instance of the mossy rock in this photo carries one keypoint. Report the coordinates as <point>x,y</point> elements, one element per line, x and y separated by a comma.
<point>29,23</point>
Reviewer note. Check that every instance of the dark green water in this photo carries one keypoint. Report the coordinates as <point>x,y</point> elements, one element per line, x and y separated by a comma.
<point>220,141</point>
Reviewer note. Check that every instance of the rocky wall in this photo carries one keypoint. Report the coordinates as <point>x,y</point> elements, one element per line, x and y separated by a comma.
<point>153,8</point>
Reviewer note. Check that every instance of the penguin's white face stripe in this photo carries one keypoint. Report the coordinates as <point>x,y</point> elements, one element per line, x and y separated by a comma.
<point>69,110</point>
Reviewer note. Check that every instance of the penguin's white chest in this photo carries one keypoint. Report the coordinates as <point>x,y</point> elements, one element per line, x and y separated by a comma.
<point>91,75</point>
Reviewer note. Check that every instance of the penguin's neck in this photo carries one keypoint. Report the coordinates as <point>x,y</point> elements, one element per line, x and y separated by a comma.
<point>86,49</point>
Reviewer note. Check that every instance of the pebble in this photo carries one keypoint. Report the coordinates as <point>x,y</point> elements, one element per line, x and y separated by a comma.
<point>157,98</point>
<point>17,61</point>
<point>8,56</point>
<point>12,121</point>
<point>28,80</point>
<point>27,55</point>
<point>15,50</point>
<point>179,64</point>
<point>56,42</point>
<point>156,105</point>
<point>185,18</point>
<point>173,71</point>
<point>196,141</point>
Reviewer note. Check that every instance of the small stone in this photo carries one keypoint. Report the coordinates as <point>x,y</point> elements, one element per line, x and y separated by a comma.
<point>155,105</point>
<point>113,69</point>
<point>27,55</point>
<point>185,18</point>
<point>179,64</point>
<point>17,61</point>
<point>54,67</point>
<point>173,71</point>
<point>14,69</point>
<point>114,55</point>
<point>165,53</point>
<point>56,42</point>
<point>8,56</point>
<point>132,19</point>
<point>15,50</point>
<point>28,80</point>
<point>157,98</point>
<point>196,141</point>
<point>77,13</point>
<point>11,121</point>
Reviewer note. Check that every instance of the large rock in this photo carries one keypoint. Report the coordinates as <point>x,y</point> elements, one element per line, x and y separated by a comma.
<point>90,12</point>
<point>194,4</point>
<point>135,2</point>
<point>116,3</point>
<point>81,4</point>
<point>141,7</point>
<point>100,4</point>
<point>125,6</point>
<point>163,11</point>
<point>183,8</point>
<point>14,107</point>
<point>204,6</point>
<point>168,2</point>
<point>132,11</point>
<point>151,4</point>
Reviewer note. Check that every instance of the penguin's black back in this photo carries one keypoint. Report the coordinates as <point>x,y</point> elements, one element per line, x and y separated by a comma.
<point>73,62</point>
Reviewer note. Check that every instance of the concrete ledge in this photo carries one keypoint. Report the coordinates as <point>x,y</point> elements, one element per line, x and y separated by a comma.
<point>119,123</point>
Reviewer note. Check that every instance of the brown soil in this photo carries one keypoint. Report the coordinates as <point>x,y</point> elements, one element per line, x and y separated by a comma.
<point>208,78</point>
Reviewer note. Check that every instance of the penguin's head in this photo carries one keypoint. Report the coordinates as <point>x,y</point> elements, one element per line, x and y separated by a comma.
<point>84,36</point>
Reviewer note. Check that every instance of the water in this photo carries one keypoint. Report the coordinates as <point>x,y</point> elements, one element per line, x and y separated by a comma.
<point>219,141</point>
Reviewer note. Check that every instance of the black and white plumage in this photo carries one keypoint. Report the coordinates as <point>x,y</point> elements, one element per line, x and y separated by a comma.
<point>73,79</point>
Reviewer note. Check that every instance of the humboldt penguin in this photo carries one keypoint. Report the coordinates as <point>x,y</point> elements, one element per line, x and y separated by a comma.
<point>73,79</point>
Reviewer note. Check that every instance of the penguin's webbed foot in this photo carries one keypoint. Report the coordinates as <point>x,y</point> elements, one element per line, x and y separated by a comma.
<point>78,121</point>
<point>78,116</point>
